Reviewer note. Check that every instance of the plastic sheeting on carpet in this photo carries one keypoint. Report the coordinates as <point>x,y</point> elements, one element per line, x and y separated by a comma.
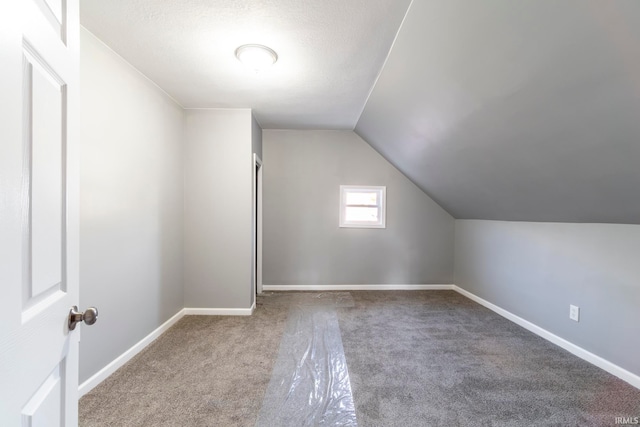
<point>310,382</point>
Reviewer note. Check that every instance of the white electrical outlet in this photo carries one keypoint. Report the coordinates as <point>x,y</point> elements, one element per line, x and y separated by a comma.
<point>574,313</point>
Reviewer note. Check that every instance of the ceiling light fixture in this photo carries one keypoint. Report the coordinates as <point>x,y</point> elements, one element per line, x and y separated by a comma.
<point>256,56</point>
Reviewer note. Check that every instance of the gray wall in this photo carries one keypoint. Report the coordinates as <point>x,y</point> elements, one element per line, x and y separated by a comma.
<point>535,270</point>
<point>131,198</point>
<point>218,249</point>
<point>303,244</point>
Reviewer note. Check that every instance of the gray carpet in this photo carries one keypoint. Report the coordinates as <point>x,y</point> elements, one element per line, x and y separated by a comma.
<point>415,358</point>
<point>440,359</point>
<point>204,371</point>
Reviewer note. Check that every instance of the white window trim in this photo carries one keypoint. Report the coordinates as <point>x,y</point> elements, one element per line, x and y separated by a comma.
<point>382,190</point>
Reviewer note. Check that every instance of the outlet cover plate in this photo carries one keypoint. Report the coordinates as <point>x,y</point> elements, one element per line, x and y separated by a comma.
<point>574,313</point>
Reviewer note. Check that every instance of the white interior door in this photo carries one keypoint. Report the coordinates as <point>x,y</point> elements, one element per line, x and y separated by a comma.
<point>39,80</point>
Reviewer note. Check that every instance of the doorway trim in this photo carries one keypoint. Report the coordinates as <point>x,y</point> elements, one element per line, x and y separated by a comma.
<point>256,266</point>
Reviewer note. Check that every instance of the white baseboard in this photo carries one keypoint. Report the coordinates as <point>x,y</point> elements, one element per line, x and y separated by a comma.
<point>381,287</point>
<point>598,361</point>
<point>220,311</point>
<point>103,373</point>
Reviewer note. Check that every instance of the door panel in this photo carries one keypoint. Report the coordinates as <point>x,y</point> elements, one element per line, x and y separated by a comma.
<point>44,145</point>
<point>44,408</point>
<point>39,212</point>
<point>54,12</point>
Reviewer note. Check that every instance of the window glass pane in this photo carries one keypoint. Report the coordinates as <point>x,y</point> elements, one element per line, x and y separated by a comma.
<point>362,198</point>
<point>361,214</point>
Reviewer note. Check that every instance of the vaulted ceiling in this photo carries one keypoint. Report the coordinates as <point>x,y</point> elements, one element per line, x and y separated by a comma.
<point>515,110</point>
<point>497,109</point>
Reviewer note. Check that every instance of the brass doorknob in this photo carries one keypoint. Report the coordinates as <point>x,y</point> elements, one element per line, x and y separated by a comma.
<point>89,316</point>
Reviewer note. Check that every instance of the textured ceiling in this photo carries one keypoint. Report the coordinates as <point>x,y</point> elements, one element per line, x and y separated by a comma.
<point>330,52</point>
<point>515,110</point>
<point>498,109</point>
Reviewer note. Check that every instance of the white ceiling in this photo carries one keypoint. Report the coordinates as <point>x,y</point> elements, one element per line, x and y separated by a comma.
<point>330,52</point>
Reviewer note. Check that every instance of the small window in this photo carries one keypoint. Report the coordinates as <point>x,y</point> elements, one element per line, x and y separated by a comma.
<point>362,206</point>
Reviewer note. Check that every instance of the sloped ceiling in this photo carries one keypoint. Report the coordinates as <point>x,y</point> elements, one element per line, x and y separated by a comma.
<point>497,109</point>
<point>515,110</point>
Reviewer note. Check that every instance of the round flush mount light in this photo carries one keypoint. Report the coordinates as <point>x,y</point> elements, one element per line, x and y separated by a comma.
<point>256,56</point>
